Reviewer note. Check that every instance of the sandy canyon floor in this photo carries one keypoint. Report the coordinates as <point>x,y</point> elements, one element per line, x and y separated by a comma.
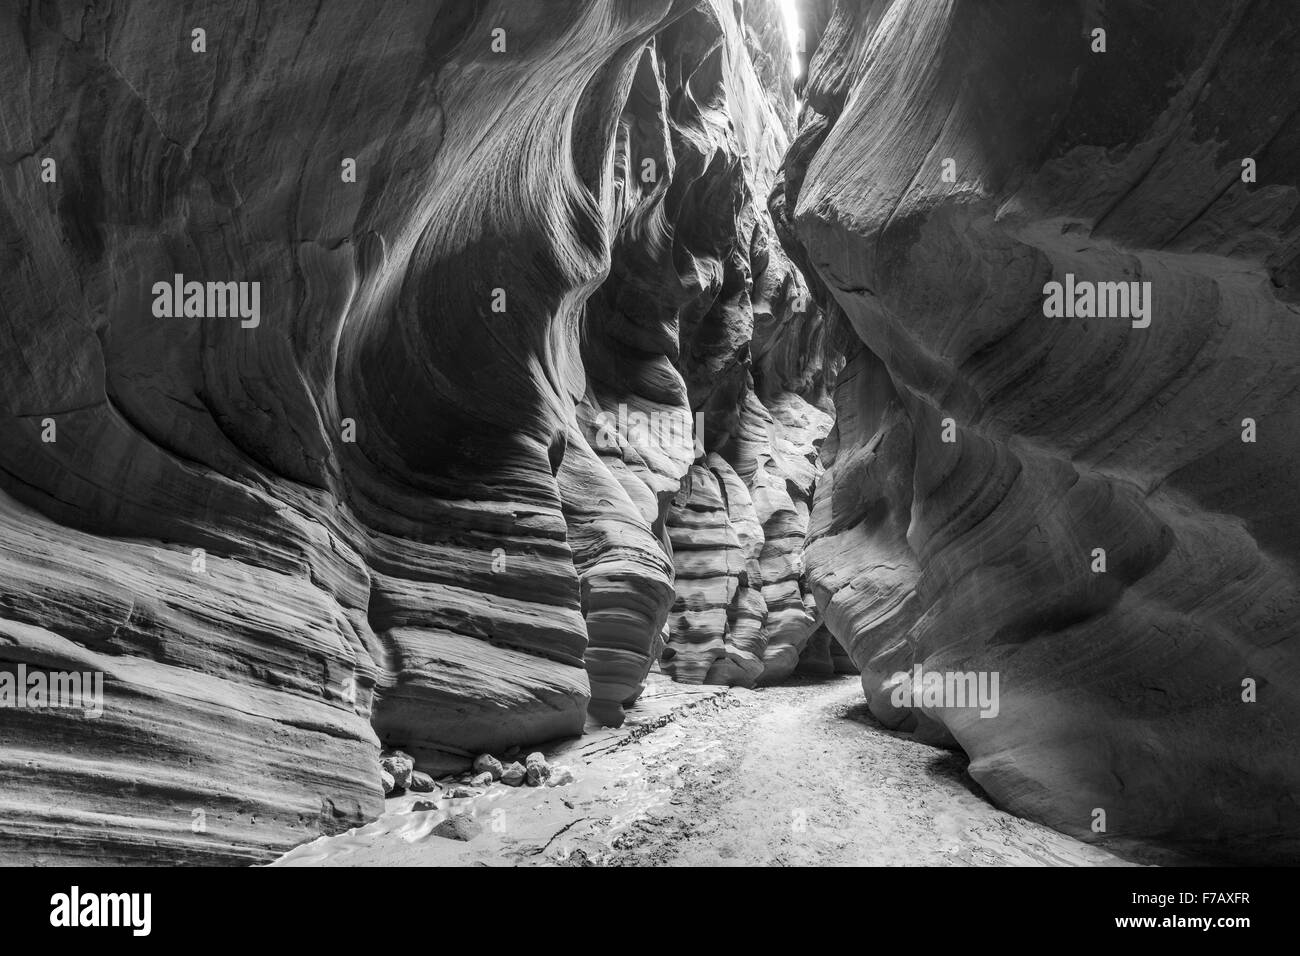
<point>793,775</point>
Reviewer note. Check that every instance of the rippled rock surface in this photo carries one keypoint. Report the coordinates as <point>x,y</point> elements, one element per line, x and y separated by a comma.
<point>391,507</point>
<point>985,455</point>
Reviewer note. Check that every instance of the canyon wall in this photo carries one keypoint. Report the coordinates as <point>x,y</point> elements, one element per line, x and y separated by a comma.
<point>435,492</point>
<point>1100,509</point>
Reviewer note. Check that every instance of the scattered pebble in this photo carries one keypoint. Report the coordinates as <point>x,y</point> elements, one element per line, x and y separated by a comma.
<point>560,776</point>
<point>401,766</point>
<point>458,826</point>
<point>537,769</point>
<point>421,782</point>
<point>486,763</point>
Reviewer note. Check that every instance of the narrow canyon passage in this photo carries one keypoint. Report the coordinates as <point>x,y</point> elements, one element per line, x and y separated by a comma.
<point>394,389</point>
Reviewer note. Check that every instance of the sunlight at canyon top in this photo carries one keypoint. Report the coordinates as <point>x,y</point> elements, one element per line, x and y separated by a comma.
<point>791,17</point>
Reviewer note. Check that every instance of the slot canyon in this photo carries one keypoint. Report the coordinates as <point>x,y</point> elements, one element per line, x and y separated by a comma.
<point>467,377</point>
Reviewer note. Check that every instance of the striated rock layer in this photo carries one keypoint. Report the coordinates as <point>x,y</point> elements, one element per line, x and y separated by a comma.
<point>701,313</point>
<point>388,506</point>
<point>1072,504</point>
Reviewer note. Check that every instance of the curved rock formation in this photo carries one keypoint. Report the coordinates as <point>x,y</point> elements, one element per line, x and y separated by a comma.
<point>386,504</point>
<point>697,286</point>
<point>1099,509</point>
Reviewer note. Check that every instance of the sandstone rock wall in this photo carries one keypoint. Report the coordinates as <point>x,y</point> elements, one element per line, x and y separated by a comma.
<point>1125,690</point>
<point>382,511</point>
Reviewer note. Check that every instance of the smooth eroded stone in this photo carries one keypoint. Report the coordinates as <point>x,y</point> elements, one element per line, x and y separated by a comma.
<point>1096,508</point>
<point>384,511</point>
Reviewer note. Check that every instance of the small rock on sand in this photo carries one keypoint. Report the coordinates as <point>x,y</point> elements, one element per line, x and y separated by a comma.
<point>421,782</point>
<point>401,766</point>
<point>560,776</point>
<point>486,763</point>
<point>458,826</point>
<point>537,769</point>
